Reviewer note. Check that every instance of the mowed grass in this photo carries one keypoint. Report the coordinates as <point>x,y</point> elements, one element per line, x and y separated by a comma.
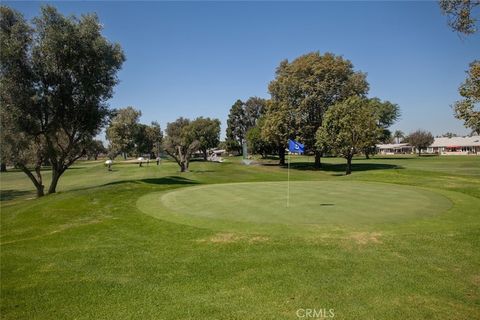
<point>314,206</point>
<point>89,252</point>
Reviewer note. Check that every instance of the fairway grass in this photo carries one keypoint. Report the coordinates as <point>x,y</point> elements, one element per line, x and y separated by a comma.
<point>315,206</point>
<point>108,246</point>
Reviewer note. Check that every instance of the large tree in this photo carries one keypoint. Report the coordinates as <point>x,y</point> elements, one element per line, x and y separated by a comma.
<point>179,142</point>
<point>467,108</point>
<point>242,117</point>
<point>306,87</point>
<point>348,128</point>
<point>207,132</point>
<point>56,77</point>
<point>123,129</point>
<point>420,139</point>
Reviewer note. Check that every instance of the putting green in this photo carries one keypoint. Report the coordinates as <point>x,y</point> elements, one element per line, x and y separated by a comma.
<point>262,205</point>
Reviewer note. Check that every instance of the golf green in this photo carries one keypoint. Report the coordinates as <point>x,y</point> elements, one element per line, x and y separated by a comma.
<point>259,206</point>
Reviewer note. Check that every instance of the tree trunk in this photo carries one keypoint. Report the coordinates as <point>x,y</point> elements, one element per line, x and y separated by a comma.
<point>55,176</point>
<point>37,183</point>
<point>318,157</point>
<point>184,166</point>
<point>204,154</point>
<point>281,155</point>
<point>419,152</point>
<point>349,165</point>
<point>124,156</point>
<point>3,167</point>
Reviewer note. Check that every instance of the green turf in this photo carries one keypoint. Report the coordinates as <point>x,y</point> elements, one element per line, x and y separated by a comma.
<point>89,252</point>
<point>314,205</point>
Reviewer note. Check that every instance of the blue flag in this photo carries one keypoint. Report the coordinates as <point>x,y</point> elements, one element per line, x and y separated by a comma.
<point>295,147</point>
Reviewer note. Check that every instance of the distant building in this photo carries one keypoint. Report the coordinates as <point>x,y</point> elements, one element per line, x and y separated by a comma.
<point>394,148</point>
<point>440,146</point>
<point>455,146</point>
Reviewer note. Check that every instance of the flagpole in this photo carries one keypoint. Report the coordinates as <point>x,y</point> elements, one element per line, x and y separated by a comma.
<point>288,180</point>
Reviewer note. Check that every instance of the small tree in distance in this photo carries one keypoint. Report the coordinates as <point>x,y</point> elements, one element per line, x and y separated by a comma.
<point>420,139</point>
<point>180,143</point>
<point>207,132</point>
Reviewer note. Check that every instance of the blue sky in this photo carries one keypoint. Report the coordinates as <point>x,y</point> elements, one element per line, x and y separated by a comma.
<point>196,58</point>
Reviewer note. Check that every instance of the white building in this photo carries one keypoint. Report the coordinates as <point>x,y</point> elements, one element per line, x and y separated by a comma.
<point>455,146</point>
<point>394,148</point>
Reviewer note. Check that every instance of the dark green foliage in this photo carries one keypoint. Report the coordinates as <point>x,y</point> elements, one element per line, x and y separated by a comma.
<point>348,127</point>
<point>207,132</point>
<point>180,143</point>
<point>242,117</point>
<point>56,78</point>
<point>302,92</point>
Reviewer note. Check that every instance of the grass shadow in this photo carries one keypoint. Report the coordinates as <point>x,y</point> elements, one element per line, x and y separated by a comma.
<point>6,195</point>
<point>169,180</point>
<point>340,167</point>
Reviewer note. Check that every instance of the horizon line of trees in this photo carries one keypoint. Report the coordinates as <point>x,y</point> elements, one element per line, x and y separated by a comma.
<point>58,72</point>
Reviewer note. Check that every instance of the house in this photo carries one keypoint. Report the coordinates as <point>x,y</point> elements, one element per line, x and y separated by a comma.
<point>394,148</point>
<point>455,146</point>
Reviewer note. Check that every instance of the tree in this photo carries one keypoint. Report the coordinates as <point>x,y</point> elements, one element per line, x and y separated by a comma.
<point>386,114</point>
<point>236,127</point>
<point>56,77</point>
<point>122,130</point>
<point>179,143</point>
<point>278,126</point>
<point>305,88</point>
<point>420,139</point>
<point>256,143</point>
<point>399,136</point>
<point>242,117</point>
<point>467,108</point>
<point>348,127</point>
<point>154,135</point>
<point>460,14</point>
<point>93,148</point>
<point>449,135</point>
<point>207,132</point>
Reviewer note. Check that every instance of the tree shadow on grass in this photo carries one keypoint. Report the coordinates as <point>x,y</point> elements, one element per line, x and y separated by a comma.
<point>168,180</point>
<point>6,195</point>
<point>341,167</point>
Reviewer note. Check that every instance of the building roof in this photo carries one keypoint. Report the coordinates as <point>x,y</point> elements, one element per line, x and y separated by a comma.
<point>456,142</point>
<point>393,146</point>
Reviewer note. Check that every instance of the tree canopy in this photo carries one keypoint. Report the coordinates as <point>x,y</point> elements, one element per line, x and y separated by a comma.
<point>420,139</point>
<point>180,143</point>
<point>467,108</point>
<point>302,92</point>
<point>460,14</point>
<point>56,77</point>
<point>207,132</point>
<point>242,117</point>
<point>348,127</point>
<point>123,129</point>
